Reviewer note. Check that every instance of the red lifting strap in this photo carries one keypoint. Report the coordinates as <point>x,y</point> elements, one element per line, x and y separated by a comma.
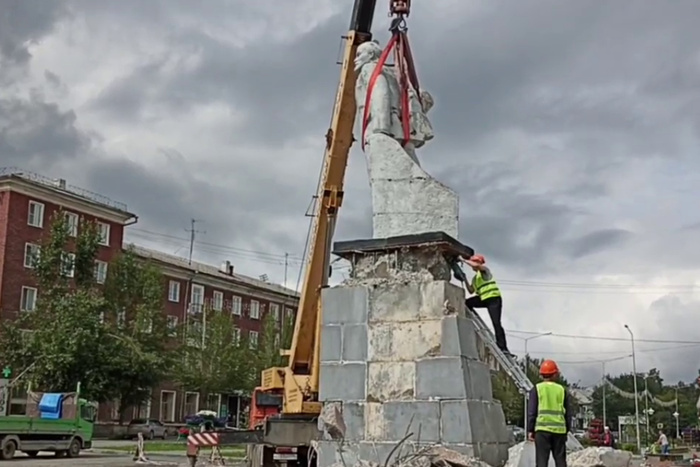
<point>403,61</point>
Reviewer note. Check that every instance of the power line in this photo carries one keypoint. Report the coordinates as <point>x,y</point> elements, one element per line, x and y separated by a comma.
<point>606,338</point>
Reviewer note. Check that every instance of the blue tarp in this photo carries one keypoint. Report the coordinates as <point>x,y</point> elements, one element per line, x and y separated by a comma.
<point>51,406</point>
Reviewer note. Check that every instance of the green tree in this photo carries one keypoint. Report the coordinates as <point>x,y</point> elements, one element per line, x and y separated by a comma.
<point>213,356</point>
<point>61,340</point>
<point>136,350</point>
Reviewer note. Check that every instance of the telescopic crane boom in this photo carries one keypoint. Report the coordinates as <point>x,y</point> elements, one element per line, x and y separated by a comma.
<point>298,381</point>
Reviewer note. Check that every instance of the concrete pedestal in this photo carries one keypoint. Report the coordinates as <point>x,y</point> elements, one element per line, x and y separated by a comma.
<point>399,356</point>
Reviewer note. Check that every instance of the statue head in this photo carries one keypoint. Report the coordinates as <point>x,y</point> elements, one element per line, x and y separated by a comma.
<point>367,52</point>
<point>427,100</point>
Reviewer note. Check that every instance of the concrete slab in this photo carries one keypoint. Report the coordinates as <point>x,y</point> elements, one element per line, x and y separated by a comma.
<point>345,305</point>
<point>459,337</point>
<point>418,417</point>
<point>354,343</point>
<point>390,381</point>
<point>407,341</point>
<point>331,343</point>
<point>343,382</point>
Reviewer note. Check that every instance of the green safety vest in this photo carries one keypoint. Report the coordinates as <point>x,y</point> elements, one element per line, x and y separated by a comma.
<point>485,289</point>
<point>550,408</point>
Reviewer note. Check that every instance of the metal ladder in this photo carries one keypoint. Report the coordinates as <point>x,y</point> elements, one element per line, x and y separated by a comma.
<point>510,367</point>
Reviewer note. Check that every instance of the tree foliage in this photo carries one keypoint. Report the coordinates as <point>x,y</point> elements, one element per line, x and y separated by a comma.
<point>66,340</point>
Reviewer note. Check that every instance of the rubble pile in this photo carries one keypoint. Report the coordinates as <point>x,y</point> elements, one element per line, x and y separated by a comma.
<point>431,456</point>
<point>523,455</point>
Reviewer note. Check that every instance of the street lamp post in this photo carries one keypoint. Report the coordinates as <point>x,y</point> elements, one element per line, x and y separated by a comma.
<point>605,412</point>
<point>676,415</point>
<point>526,396</point>
<point>636,394</point>
<point>646,408</point>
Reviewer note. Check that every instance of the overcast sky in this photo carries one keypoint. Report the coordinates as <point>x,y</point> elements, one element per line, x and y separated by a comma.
<point>569,129</point>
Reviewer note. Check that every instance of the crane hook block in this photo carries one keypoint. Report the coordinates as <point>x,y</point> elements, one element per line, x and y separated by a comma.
<point>399,7</point>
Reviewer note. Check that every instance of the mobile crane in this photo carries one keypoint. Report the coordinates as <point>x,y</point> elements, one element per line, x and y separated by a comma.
<point>285,407</point>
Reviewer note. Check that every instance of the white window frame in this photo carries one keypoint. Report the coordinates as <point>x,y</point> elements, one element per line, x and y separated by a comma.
<point>217,301</point>
<point>197,299</point>
<point>114,413</point>
<point>28,259</point>
<point>218,403</point>
<point>236,334</point>
<point>104,230</point>
<point>171,323</point>
<point>149,326</point>
<point>254,309</point>
<point>34,222</point>
<point>253,337</point>
<point>275,311</point>
<point>184,405</point>
<point>174,291</point>
<point>68,258</point>
<point>100,279</point>
<point>236,305</point>
<point>289,312</point>
<point>102,317</point>
<point>23,298</point>
<point>171,417</point>
<point>72,221</point>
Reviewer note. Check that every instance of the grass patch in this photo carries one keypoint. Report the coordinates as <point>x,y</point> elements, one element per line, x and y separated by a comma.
<point>153,447</point>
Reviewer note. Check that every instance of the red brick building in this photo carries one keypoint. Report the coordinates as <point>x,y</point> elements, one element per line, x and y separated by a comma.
<point>27,202</point>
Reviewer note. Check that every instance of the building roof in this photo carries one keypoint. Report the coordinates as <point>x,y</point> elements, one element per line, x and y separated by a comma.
<point>60,185</point>
<point>210,270</point>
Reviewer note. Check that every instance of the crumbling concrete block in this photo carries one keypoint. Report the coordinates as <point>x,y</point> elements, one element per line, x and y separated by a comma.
<point>343,382</point>
<point>354,343</point>
<point>408,341</point>
<point>455,422</point>
<point>345,305</point>
<point>390,381</point>
<point>470,379</point>
<point>401,302</point>
<point>599,457</point>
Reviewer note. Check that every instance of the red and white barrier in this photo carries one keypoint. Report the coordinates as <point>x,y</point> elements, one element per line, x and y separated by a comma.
<point>203,439</point>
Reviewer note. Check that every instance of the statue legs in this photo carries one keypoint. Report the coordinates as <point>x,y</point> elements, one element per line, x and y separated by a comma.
<point>405,199</point>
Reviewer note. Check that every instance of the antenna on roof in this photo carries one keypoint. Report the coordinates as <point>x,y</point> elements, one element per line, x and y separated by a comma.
<point>263,277</point>
<point>192,232</point>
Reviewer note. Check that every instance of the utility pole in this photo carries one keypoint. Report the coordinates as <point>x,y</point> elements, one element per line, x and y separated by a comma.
<point>636,391</point>
<point>605,383</point>
<point>192,232</point>
<point>286,265</point>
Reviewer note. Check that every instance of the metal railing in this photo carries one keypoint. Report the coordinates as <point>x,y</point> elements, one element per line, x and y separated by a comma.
<point>60,184</point>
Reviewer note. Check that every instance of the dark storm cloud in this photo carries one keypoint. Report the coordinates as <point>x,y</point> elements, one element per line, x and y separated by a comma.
<point>22,23</point>
<point>35,133</point>
<point>598,241</point>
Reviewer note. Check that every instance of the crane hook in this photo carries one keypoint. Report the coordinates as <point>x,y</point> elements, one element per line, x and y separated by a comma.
<point>399,7</point>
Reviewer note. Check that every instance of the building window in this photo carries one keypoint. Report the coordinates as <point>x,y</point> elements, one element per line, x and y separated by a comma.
<point>121,318</point>
<point>197,298</point>
<point>167,406</point>
<point>236,305</point>
<point>102,317</point>
<point>72,224</point>
<point>31,255</point>
<point>115,410</point>
<point>254,309</point>
<point>275,311</point>
<point>171,322</point>
<point>28,300</point>
<point>35,218</point>
<point>214,403</point>
<point>236,335</point>
<point>218,301</point>
<point>148,328</point>
<point>174,291</point>
<point>143,410</point>
<point>100,272</point>
<point>191,403</point>
<point>289,313</point>
<point>103,230</point>
<point>253,337</point>
<point>68,264</point>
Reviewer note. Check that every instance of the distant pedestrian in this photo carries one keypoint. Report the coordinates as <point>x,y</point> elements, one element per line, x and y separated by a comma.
<point>608,438</point>
<point>549,417</point>
<point>663,442</point>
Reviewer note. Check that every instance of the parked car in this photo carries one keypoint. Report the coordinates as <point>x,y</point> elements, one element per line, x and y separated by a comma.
<point>150,429</point>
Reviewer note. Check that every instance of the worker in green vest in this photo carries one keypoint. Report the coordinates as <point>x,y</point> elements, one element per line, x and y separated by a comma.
<point>549,417</point>
<point>487,295</point>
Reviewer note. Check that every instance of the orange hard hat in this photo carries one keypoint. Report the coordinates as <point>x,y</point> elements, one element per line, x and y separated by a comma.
<point>478,259</point>
<point>549,368</point>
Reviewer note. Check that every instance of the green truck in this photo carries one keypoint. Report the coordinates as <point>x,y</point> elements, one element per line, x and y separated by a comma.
<point>57,422</point>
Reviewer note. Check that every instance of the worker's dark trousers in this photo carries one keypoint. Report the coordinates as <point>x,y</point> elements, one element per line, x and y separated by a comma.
<point>546,443</point>
<point>494,306</point>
